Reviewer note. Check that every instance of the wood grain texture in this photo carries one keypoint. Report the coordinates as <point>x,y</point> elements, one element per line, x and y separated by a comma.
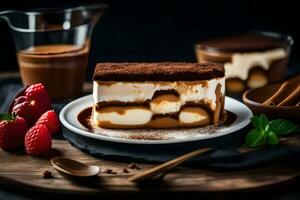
<point>23,171</point>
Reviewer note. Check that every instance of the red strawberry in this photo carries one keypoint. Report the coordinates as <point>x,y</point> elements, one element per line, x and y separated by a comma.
<point>20,93</point>
<point>50,120</point>
<point>26,109</point>
<point>34,102</point>
<point>38,93</point>
<point>12,131</point>
<point>38,140</point>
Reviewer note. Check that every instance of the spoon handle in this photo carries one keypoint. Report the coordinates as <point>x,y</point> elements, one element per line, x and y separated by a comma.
<point>149,173</point>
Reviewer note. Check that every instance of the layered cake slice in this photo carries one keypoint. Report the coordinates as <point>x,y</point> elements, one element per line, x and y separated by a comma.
<point>158,95</point>
<point>250,60</point>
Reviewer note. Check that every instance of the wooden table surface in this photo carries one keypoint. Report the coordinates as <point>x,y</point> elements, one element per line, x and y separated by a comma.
<point>23,171</point>
<point>18,170</point>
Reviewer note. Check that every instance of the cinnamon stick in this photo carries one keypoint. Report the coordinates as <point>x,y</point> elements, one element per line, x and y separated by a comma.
<point>287,95</point>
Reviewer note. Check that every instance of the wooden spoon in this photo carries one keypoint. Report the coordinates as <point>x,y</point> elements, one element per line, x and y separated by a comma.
<point>162,168</point>
<point>74,168</point>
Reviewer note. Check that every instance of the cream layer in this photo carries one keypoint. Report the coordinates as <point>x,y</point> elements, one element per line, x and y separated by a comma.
<point>241,63</point>
<point>204,92</point>
<point>189,91</point>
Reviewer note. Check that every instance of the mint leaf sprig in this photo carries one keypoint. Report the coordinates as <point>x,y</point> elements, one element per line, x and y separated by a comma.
<point>267,132</point>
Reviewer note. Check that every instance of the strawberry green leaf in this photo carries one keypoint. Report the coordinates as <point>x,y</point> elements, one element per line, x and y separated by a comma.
<point>282,126</point>
<point>255,138</point>
<point>7,116</point>
<point>271,138</point>
<point>260,122</point>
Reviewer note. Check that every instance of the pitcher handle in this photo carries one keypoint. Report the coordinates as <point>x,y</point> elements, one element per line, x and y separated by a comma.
<point>4,15</point>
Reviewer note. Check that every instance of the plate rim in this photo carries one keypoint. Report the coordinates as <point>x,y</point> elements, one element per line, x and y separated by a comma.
<point>89,134</point>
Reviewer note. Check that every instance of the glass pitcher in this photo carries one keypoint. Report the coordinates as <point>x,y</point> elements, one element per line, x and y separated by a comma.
<point>53,46</point>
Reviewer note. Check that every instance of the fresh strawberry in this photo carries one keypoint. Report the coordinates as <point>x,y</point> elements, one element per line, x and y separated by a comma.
<point>31,103</point>
<point>38,93</point>
<point>20,100</point>
<point>27,110</point>
<point>38,140</point>
<point>50,120</point>
<point>12,131</point>
<point>19,94</point>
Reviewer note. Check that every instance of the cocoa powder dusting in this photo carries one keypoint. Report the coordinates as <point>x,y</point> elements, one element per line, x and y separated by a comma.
<point>164,71</point>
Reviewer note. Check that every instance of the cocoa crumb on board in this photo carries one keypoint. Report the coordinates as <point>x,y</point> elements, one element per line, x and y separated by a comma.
<point>109,171</point>
<point>125,170</point>
<point>134,166</point>
<point>47,174</point>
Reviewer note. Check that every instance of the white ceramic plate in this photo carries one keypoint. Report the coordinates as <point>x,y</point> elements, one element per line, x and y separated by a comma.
<point>68,117</point>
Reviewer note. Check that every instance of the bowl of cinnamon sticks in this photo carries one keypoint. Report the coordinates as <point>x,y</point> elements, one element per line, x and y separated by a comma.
<point>277,100</point>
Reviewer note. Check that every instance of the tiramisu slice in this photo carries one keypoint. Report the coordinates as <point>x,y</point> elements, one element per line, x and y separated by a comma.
<point>158,95</point>
<point>250,60</point>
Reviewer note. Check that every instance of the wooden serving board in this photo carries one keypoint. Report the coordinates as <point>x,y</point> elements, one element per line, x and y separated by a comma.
<point>26,172</point>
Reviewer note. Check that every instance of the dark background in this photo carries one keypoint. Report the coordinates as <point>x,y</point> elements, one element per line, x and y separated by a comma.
<point>165,30</point>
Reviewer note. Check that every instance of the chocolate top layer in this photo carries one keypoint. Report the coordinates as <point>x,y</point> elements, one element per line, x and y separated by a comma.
<point>243,43</point>
<point>166,71</point>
